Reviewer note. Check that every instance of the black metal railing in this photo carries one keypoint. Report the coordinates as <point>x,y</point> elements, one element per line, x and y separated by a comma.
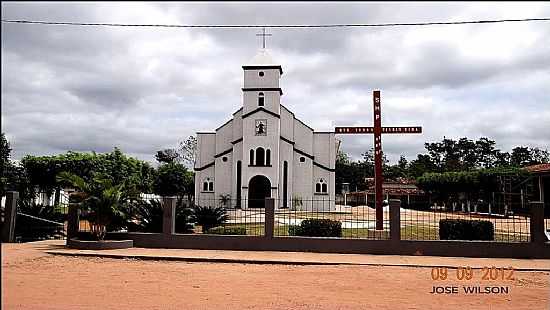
<point>226,216</point>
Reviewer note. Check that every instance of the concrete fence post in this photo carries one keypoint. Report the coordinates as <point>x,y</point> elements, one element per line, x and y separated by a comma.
<point>168,215</point>
<point>73,221</point>
<point>269,221</point>
<point>10,215</point>
<point>395,219</point>
<point>536,225</point>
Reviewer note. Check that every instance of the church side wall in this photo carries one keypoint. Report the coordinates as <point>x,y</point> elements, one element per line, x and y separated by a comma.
<point>224,136</point>
<point>206,147</point>
<point>302,176</point>
<point>303,137</point>
<point>223,176</point>
<point>325,155</point>
<point>237,125</point>
<point>287,124</point>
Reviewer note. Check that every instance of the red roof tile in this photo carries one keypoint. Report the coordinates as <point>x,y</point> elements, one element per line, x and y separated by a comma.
<point>538,168</point>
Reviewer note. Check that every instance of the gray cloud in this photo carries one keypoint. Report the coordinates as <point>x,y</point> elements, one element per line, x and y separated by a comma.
<point>93,88</point>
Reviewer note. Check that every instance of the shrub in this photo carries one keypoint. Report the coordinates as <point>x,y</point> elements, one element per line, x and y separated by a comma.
<point>147,216</point>
<point>294,230</point>
<point>220,230</point>
<point>209,217</point>
<point>317,228</point>
<point>458,229</point>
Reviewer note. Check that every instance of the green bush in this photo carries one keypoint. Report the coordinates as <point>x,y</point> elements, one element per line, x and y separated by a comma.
<point>220,230</point>
<point>317,228</point>
<point>209,217</point>
<point>458,229</point>
<point>294,230</point>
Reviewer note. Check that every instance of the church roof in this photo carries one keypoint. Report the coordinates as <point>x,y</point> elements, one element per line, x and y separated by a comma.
<point>263,60</point>
<point>540,168</point>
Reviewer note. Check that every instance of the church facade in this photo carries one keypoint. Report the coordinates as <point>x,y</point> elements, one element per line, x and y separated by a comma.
<point>265,151</point>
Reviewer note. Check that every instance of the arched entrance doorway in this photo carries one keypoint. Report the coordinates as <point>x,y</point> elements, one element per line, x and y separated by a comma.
<point>259,188</point>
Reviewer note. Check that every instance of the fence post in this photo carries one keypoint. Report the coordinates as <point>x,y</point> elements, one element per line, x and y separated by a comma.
<point>269,220</point>
<point>73,221</point>
<point>168,215</point>
<point>10,214</point>
<point>395,219</point>
<point>536,225</point>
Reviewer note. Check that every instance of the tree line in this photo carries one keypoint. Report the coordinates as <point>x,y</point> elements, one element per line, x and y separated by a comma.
<point>39,173</point>
<point>446,156</point>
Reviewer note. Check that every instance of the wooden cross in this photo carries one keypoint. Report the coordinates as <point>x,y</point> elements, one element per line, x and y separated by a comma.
<point>263,35</point>
<point>377,130</point>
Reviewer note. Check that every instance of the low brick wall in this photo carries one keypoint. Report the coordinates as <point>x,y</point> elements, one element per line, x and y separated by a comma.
<point>337,245</point>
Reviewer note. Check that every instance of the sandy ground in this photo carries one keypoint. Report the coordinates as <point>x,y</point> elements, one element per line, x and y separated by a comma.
<point>32,279</point>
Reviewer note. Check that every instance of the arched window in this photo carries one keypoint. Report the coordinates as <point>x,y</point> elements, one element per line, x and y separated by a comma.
<point>268,157</point>
<point>251,157</point>
<point>261,99</point>
<point>208,185</point>
<point>321,186</point>
<point>260,156</point>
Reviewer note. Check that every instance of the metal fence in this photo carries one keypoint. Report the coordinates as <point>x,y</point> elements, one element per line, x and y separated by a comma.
<point>241,217</point>
<point>425,224</point>
<point>226,216</point>
<point>356,222</point>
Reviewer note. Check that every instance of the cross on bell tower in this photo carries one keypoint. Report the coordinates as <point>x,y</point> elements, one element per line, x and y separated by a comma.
<point>263,35</point>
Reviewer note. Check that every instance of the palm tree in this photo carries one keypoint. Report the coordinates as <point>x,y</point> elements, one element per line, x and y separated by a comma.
<point>102,198</point>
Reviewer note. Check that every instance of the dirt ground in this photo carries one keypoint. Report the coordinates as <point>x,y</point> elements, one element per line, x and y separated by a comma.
<point>34,280</point>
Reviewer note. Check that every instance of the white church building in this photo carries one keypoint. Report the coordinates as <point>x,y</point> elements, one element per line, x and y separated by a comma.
<point>265,151</point>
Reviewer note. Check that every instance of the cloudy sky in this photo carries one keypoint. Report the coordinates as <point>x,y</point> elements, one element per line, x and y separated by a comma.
<point>144,89</point>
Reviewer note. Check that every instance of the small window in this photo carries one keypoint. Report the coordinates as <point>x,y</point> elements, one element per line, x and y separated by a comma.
<point>205,186</point>
<point>317,188</point>
<point>211,186</point>
<point>324,187</point>
<point>224,159</point>
<point>261,73</point>
<point>251,157</point>
<point>268,157</point>
<point>261,99</point>
<point>302,159</point>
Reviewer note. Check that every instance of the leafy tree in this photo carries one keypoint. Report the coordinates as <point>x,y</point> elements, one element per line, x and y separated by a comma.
<point>422,164</point>
<point>173,180</point>
<point>167,156</point>
<point>119,168</point>
<point>524,156</point>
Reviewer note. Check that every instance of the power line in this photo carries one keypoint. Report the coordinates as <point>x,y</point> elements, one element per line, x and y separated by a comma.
<point>21,21</point>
